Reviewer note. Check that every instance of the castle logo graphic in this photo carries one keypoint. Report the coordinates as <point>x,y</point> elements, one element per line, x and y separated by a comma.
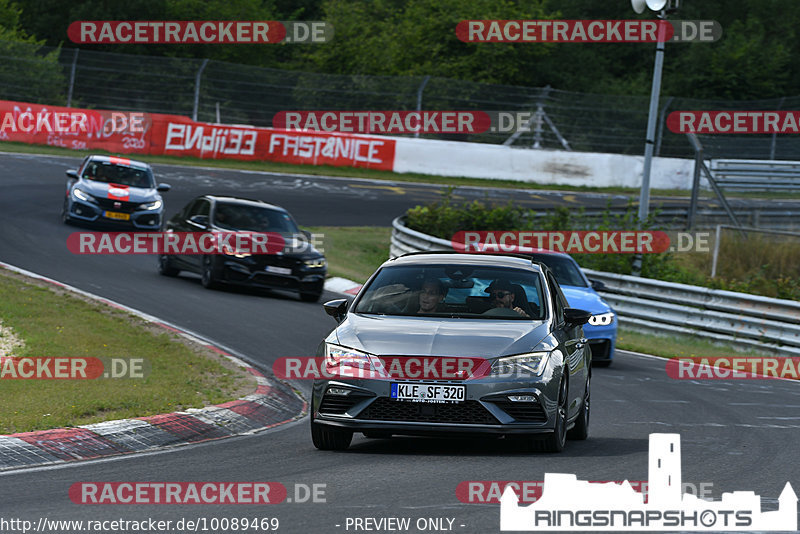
<point>576,505</point>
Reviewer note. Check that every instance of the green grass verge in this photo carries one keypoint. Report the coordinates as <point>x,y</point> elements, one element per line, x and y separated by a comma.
<point>354,252</point>
<point>675,346</point>
<point>56,323</point>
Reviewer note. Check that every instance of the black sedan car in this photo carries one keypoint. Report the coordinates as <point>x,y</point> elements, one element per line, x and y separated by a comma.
<point>506,311</point>
<point>299,266</point>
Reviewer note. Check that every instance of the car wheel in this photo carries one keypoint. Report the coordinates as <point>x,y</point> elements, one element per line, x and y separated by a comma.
<point>209,276</point>
<point>310,297</point>
<point>377,434</point>
<point>165,266</point>
<point>327,438</point>
<point>601,363</point>
<point>556,441</point>
<point>581,429</point>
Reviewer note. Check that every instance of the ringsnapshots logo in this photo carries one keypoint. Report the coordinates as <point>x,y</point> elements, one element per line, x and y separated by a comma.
<point>569,504</point>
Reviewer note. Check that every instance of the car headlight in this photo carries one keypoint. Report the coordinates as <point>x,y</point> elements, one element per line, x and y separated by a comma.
<point>336,356</point>
<point>229,251</point>
<point>532,363</point>
<point>151,205</point>
<point>602,319</point>
<point>81,195</point>
<point>315,263</point>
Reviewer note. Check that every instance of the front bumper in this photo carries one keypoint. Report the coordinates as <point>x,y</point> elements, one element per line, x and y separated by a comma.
<point>602,340</point>
<point>92,213</point>
<point>485,410</point>
<point>302,279</point>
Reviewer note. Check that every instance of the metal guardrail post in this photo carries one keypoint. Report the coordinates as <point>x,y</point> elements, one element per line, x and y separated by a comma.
<point>197,89</point>
<point>72,77</point>
<point>716,252</point>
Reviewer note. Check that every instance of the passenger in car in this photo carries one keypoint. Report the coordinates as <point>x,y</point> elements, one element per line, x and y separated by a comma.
<point>431,296</point>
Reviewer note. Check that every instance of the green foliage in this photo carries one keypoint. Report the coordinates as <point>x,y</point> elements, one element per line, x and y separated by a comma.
<point>26,73</point>
<point>754,59</point>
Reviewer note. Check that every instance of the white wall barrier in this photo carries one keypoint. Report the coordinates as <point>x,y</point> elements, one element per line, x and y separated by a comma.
<point>559,167</point>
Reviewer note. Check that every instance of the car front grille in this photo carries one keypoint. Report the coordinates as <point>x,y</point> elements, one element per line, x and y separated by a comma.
<point>124,207</point>
<point>600,348</point>
<point>467,412</point>
<point>527,412</point>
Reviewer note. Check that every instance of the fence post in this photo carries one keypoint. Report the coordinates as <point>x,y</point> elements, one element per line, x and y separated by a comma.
<point>72,77</point>
<point>197,89</point>
<point>419,97</point>
<point>661,124</point>
<point>772,145</point>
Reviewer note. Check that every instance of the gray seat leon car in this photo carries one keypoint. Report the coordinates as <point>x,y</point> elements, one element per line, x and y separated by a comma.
<point>454,344</point>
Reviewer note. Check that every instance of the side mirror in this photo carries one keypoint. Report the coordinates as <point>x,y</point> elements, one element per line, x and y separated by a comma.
<point>575,316</point>
<point>307,234</point>
<point>338,309</point>
<point>72,174</point>
<point>163,188</point>
<point>597,285</point>
<point>200,221</point>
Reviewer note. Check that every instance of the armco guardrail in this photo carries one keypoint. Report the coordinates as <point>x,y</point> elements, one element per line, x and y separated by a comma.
<point>644,304</point>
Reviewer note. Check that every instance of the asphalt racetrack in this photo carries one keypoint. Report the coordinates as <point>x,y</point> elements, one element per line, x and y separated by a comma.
<point>736,435</point>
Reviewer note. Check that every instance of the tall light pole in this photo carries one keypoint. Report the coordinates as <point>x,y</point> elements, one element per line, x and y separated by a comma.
<point>663,7</point>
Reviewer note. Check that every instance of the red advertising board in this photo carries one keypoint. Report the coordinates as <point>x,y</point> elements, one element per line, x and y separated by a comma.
<point>173,135</point>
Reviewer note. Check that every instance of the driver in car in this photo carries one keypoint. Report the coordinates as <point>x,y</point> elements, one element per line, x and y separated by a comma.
<point>503,296</point>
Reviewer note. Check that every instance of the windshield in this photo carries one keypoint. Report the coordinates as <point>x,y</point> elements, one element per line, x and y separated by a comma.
<point>459,291</point>
<point>565,270</point>
<point>249,218</point>
<point>110,173</point>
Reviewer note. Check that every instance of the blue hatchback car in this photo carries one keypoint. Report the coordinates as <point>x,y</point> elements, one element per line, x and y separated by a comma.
<point>601,330</point>
<point>114,191</point>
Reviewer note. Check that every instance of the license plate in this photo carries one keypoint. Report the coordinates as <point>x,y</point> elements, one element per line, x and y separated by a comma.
<point>118,216</point>
<point>438,393</point>
<point>277,270</point>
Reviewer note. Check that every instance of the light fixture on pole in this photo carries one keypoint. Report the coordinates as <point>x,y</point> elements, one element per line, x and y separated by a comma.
<point>663,7</point>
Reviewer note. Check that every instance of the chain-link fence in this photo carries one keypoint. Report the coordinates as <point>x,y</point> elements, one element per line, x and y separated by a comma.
<point>216,91</point>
